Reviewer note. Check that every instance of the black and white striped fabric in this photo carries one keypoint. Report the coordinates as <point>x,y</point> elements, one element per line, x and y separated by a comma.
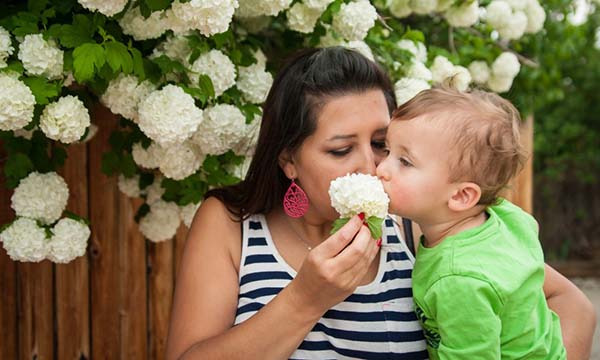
<point>376,322</point>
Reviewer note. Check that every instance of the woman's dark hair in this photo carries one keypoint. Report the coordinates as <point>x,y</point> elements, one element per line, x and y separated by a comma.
<point>302,87</point>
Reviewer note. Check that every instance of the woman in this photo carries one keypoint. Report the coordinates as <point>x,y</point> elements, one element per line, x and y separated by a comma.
<point>255,283</point>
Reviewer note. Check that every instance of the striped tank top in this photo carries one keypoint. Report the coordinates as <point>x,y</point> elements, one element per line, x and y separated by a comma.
<point>376,322</point>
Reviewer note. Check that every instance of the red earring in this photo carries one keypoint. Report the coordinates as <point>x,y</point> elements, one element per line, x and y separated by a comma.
<point>295,201</point>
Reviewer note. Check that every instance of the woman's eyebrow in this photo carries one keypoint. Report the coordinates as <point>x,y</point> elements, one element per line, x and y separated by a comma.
<point>341,137</point>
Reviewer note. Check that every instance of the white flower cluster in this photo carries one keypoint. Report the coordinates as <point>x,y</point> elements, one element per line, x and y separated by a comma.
<point>356,193</point>
<point>41,196</point>
<point>178,161</point>
<point>65,120</point>
<point>106,7</point>
<point>148,158</point>
<point>418,75</point>
<point>247,144</point>
<point>140,28</point>
<point>223,127</point>
<point>254,82</point>
<point>175,47</point>
<point>329,39</point>
<point>187,213</point>
<point>6,48</point>
<point>500,76</point>
<point>455,76</point>
<point>69,240</point>
<point>464,15</point>
<point>155,191</point>
<point>169,115</point>
<point>218,67</point>
<point>16,103</point>
<point>25,240</point>
<point>124,93</point>
<point>303,18</point>
<point>41,57</point>
<point>460,14</point>
<point>355,19</point>
<point>255,8</point>
<point>512,19</point>
<point>161,222</point>
<point>130,186</point>
<point>207,16</point>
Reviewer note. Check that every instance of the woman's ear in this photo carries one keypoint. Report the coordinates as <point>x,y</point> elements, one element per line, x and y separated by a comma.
<point>465,196</point>
<point>286,163</point>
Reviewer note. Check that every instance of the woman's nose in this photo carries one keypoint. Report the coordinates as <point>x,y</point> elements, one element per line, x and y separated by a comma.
<point>368,165</point>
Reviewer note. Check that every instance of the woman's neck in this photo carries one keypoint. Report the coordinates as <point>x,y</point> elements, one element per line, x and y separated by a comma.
<point>308,229</point>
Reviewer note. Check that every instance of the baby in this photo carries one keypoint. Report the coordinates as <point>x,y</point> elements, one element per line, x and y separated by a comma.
<point>479,272</point>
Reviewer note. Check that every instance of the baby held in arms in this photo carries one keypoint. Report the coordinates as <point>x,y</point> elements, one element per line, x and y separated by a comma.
<point>479,271</point>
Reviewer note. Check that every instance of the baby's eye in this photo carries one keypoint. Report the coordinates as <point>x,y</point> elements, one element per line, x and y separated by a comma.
<point>405,162</point>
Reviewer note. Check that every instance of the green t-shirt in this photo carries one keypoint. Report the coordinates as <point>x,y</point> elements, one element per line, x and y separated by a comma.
<point>479,293</point>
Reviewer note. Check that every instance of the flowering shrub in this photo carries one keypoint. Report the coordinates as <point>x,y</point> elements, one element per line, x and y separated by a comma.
<point>187,79</point>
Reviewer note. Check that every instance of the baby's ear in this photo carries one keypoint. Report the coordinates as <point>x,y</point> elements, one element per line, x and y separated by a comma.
<point>466,195</point>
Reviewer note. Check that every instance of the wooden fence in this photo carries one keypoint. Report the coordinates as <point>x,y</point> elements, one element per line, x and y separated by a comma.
<point>115,302</point>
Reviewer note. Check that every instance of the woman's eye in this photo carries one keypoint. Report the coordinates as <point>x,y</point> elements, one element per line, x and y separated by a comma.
<point>340,152</point>
<point>380,146</point>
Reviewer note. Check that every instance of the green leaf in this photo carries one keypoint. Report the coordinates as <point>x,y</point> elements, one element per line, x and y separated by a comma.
<point>375,223</point>
<point>142,211</point>
<point>110,163</point>
<point>17,167</point>
<point>42,89</point>
<point>37,6</point>
<point>138,63</point>
<point>118,57</point>
<point>59,155</point>
<point>337,224</point>
<point>206,85</point>
<point>156,5</point>
<point>76,217</point>
<point>87,60</point>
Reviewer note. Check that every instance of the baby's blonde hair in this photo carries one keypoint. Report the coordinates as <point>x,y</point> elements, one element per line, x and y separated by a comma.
<point>484,131</point>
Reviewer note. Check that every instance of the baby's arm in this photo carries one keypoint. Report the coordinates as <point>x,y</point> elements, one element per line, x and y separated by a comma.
<point>466,312</point>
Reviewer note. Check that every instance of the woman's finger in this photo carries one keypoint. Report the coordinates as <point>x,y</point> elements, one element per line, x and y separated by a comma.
<point>338,241</point>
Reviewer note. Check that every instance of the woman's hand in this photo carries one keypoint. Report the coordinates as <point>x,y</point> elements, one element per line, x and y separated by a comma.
<point>333,270</point>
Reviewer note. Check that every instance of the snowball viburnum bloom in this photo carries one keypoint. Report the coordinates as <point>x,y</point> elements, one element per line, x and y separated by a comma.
<point>6,48</point>
<point>464,15</point>
<point>41,57</point>
<point>169,115</point>
<point>400,8</point>
<point>219,69</point>
<point>69,240</point>
<point>407,88</point>
<point>187,213</point>
<point>41,196</point>
<point>506,65</point>
<point>302,18</point>
<point>123,95</point>
<point>181,160</point>
<point>16,103</point>
<point>223,127</point>
<point>65,120</point>
<point>207,16</point>
<point>130,186</point>
<point>106,7</point>
<point>355,19</point>
<point>254,82</point>
<point>255,8</point>
<point>135,24</point>
<point>24,240</point>
<point>147,158</point>
<point>480,71</point>
<point>161,222</point>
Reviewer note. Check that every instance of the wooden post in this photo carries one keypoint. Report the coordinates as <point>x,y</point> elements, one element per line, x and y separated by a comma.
<point>520,191</point>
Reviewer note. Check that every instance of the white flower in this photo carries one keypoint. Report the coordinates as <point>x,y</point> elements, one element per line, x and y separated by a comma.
<point>261,58</point>
<point>254,83</point>
<point>155,191</point>
<point>41,196</point>
<point>130,186</point>
<point>41,57</point>
<point>24,240</point>
<point>362,47</point>
<point>460,78</point>
<point>407,88</point>
<point>356,193</point>
<point>441,69</point>
<point>106,7</point>
<point>181,160</point>
<point>400,8</point>
<point>253,8</point>
<point>69,240</point>
<point>499,84</point>
<point>92,130</point>
<point>302,18</point>
<point>124,93</point>
<point>175,47</point>
<point>255,24</point>
<point>506,65</point>
<point>25,134</point>
<point>169,115</point>
<point>418,49</point>
<point>498,13</point>
<point>515,27</point>
<point>465,15</point>
<point>207,16</point>
<point>247,144</point>
<point>65,120</point>
<point>516,5</point>
<point>480,71</point>
<point>6,48</point>
<point>147,158</point>
<point>187,213</point>
<point>240,170</point>
<point>535,16</point>
<point>69,79</point>
<point>354,20</point>
<point>161,222</point>
<point>223,127</point>
<point>318,4</point>
<point>135,24</point>
<point>16,103</point>
<point>330,39</point>
<point>444,5</point>
<point>418,70</point>
<point>218,67</point>
<point>423,7</point>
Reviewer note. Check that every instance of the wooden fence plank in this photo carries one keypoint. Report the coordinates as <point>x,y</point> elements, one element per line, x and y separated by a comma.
<point>72,279</point>
<point>8,281</point>
<point>104,247</point>
<point>132,265</point>
<point>178,245</point>
<point>160,260</point>
<point>521,187</point>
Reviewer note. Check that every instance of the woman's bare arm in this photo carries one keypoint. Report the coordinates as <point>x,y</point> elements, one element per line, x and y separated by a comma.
<point>205,301</point>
